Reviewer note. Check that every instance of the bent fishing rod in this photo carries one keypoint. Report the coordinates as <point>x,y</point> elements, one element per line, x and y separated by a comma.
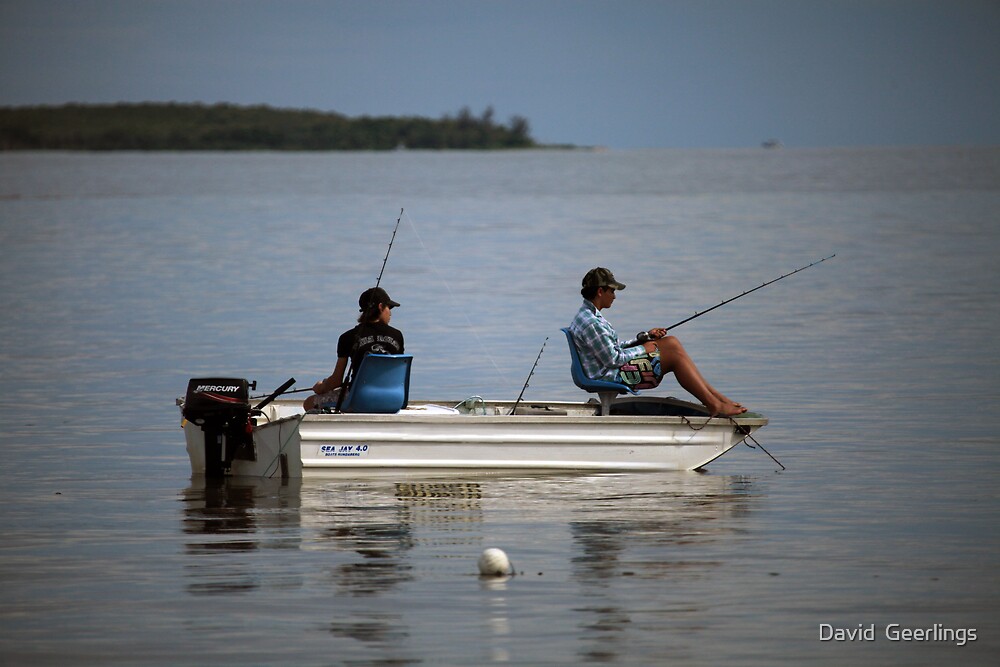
<point>643,336</point>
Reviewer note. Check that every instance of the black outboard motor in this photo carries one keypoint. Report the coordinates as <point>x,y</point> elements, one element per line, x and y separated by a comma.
<point>221,408</point>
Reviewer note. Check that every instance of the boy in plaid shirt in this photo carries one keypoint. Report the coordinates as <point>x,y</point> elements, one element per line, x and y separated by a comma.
<point>639,363</point>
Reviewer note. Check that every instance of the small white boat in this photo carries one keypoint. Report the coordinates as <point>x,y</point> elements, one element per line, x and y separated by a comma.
<point>641,433</point>
<point>378,427</point>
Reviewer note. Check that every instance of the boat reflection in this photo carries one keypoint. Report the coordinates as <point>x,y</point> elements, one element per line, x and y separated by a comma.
<point>661,520</point>
<point>374,528</point>
<point>226,520</point>
<point>373,555</point>
<point>665,536</point>
<point>382,521</point>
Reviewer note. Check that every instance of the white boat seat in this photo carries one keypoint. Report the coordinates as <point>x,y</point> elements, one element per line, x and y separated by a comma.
<point>605,389</point>
<point>380,385</point>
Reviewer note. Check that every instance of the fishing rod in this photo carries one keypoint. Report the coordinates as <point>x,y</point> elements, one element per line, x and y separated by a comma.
<point>389,249</point>
<point>284,393</point>
<point>275,394</point>
<point>283,390</point>
<point>345,385</point>
<point>770,282</point>
<point>532,372</point>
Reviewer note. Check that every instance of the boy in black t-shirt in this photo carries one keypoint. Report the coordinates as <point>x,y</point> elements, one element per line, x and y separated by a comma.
<point>372,335</point>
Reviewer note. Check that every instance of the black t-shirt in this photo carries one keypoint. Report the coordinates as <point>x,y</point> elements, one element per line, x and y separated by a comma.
<point>370,337</point>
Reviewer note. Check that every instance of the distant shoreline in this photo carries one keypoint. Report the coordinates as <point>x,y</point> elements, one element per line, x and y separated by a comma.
<point>228,127</point>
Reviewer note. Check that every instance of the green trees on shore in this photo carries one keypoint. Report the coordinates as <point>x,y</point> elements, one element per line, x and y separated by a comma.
<point>222,127</point>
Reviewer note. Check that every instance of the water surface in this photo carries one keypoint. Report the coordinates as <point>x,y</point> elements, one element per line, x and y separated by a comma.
<point>126,274</point>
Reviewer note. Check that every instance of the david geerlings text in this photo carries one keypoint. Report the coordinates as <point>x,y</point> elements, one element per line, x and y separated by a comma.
<point>895,632</point>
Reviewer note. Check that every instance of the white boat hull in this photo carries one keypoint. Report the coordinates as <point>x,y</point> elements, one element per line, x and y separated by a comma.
<point>275,451</point>
<point>551,436</point>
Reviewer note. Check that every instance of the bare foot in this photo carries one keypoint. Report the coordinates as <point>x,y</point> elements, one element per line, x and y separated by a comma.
<point>726,408</point>
<point>724,399</point>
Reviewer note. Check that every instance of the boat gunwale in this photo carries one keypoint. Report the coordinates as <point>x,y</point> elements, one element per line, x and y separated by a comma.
<point>696,423</point>
<point>414,415</point>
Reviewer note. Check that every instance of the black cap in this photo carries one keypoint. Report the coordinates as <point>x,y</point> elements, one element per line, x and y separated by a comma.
<point>374,296</point>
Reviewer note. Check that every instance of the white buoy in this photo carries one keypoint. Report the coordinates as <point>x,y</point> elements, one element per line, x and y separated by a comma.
<point>494,563</point>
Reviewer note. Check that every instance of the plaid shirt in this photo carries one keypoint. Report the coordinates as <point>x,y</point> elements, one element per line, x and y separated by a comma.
<point>601,352</point>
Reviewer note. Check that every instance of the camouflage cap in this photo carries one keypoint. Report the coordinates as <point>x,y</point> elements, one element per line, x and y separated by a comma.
<point>601,277</point>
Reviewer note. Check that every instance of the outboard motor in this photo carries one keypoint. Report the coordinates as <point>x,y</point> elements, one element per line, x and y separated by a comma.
<point>220,408</point>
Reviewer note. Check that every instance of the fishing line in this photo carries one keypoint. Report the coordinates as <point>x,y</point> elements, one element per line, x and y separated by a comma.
<point>454,301</point>
<point>746,432</point>
<point>742,430</point>
<point>644,336</point>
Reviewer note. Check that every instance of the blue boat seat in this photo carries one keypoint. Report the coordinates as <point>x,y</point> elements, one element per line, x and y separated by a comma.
<point>381,384</point>
<point>605,389</point>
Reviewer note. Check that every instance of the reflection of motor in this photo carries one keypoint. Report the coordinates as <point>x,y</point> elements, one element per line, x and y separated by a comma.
<point>220,408</point>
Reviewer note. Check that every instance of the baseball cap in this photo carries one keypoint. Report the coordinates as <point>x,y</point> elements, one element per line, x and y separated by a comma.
<point>601,277</point>
<point>374,296</point>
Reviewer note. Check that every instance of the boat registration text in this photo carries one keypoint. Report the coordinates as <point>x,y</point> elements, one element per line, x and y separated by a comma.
<point>343,450</point>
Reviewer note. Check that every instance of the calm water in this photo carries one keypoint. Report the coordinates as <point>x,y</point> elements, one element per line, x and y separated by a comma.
<point>125,274</point>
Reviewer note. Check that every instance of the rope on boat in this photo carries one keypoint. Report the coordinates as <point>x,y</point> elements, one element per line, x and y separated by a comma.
<point>692,426</point>
<point>742,430</point>
<point>471,402</point>
<point>281,449</point>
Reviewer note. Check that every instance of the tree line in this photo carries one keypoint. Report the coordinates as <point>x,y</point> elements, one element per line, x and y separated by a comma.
<point>227,127</point>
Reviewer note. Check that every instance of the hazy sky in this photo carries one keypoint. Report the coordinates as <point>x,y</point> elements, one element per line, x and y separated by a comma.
<point>625,74</point>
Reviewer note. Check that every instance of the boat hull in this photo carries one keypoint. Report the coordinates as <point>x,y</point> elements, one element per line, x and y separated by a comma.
<point>566,443</point>
<point>275,450</point>
<point>649,434</point>
<point>551,436</point>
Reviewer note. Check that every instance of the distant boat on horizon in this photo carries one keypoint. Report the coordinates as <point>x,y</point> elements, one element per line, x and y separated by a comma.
<point>772,143</point>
